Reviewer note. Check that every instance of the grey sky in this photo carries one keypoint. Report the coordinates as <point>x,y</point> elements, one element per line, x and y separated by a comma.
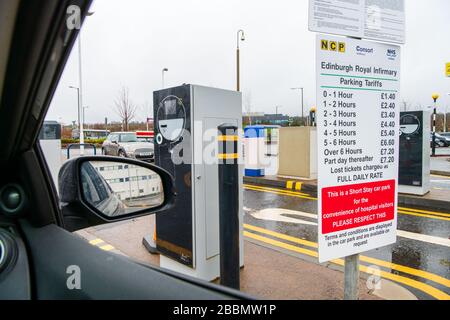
<point>127,43</point>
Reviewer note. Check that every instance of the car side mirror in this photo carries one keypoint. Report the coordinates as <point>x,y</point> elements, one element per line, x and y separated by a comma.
<point>101,189</point>
<point>114,141</point>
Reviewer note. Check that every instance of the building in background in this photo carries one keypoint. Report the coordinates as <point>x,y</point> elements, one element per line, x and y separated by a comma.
<point>256,118</point>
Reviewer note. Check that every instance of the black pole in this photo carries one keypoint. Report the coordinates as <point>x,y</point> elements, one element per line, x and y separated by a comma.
<point>433,147</point>
<point>303,119</point>
<point>228,205</point>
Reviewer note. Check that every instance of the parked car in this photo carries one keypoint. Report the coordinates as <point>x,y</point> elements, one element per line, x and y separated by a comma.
<point>445,135</point>
<point>440,140</point>
<point>128,145</point>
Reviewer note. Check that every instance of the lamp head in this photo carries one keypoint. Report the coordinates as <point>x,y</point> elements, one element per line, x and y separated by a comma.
<point>435,96</point>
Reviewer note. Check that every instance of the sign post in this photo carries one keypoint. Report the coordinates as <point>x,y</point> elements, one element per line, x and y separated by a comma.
<point>351,277</point>
<point>358,85</point>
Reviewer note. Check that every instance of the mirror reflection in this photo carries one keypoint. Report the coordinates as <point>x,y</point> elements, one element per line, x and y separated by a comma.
<point>117,189</point>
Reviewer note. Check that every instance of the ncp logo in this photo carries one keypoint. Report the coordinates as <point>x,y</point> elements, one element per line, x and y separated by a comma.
<point>391,54</point>
<point>332,46</point>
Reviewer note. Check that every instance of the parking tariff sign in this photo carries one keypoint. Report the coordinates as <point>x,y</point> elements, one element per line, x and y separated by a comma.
<point>358,85</point>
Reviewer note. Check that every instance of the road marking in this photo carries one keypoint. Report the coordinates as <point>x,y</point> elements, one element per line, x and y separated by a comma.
<point>438,294</point>
<point>440,181</point>
<point>107,247</point>
<point>281,244</point>
<point>408,211</point>
<point>423,215</point>
<point>425,211</point>
<point>277,214</point>
<point>282,236</point>
<point>424,238</point>
<point>99,243</point>
<point>279,191</point>
<point>389,265</point>
<point>96,241</point>
<point>439,176</point>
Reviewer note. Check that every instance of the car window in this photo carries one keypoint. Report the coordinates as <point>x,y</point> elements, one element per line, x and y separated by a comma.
<point>95,189</point>
<point>128,137</point>
<point>135,59</point>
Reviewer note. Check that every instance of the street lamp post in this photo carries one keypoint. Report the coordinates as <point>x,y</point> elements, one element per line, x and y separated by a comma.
<point>445,118</point>
<point>84,115</point>
<point>162,73</point>
<point>80,93</point>
<point>435,96</point>
<point>242,38</point>
<point>78,99</point>
<point>79,109</point>
<point>302,116</point>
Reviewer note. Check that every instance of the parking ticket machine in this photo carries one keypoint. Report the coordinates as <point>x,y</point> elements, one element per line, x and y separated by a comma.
<point>414,153</point>
<point>185,127</point>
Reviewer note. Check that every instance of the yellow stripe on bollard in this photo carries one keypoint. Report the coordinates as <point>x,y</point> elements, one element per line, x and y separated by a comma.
<point>227,138</point>
<point>225,156</point>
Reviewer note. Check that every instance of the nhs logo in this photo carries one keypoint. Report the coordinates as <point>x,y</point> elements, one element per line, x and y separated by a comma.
<point>391,54</point>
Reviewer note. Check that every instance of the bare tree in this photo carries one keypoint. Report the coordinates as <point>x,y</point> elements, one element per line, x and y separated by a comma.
<point>124,107</point>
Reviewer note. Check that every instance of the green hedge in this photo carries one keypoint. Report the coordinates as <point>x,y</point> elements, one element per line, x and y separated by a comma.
<point>98,142</point>
<point>85,140</point>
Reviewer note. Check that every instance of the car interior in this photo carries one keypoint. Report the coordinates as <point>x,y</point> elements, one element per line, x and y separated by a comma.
<point>38,250</point>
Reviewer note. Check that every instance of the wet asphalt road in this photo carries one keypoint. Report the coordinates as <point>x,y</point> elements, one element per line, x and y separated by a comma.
<point>410,250</point>
<point>439,182</point>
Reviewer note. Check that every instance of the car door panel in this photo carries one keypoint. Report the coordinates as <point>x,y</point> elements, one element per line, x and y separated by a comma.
<point>105,275</point>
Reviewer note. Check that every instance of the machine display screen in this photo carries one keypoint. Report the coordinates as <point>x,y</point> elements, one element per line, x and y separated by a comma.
<point>170,107</point>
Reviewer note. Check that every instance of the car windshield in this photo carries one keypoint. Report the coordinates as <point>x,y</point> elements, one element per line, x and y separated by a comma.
<point>317,182</point>
<point>128,137</point>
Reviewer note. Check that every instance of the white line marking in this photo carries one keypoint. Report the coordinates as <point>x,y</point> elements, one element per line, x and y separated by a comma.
<point>440,181</point>
<point>424,238</point>
<point>277,214</point>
